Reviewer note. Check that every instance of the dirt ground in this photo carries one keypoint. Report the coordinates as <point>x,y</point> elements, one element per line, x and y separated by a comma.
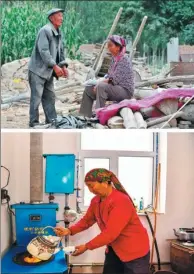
<point>16,117</point>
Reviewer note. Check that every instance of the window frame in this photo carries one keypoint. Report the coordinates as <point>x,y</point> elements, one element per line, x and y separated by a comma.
<point>113,156</point>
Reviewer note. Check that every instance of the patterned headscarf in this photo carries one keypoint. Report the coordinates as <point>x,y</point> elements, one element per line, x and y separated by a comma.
<point>120,41</point>
<point>103,175</point>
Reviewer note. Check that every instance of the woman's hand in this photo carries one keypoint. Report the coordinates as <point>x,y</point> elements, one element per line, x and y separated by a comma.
<point>62,231</point>
<point>105,80</point>
<point>80,249</point>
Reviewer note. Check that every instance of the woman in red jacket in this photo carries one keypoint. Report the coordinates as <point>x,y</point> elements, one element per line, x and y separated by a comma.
<point>121,230</point>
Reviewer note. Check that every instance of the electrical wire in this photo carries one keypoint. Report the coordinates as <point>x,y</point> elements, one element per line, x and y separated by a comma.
<point>155,242</point>
<point>9,210</point>
<point>7,177</point>
<point>155,213</point>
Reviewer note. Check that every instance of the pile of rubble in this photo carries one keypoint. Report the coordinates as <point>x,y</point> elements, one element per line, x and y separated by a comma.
<point>15,95</point>
<point>15,92</point>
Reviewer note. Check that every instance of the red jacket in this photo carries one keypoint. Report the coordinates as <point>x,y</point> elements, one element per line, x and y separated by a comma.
<point>120,226</point>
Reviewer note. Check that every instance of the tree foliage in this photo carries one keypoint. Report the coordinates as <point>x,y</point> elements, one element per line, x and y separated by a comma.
<point>166,19</point>
<point>90,22</point>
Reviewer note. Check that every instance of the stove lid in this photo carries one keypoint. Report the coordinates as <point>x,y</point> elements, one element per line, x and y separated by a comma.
<point>35,206</point>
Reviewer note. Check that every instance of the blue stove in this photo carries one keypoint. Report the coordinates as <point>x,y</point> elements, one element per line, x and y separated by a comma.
<point>8,266</point>
<point>30,219</point>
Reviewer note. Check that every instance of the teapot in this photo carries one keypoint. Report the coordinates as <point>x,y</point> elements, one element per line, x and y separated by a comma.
<point>185,234</point>
<point>44,247</point>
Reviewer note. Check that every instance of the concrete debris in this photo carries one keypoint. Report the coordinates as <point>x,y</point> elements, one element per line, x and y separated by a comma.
<point>115,122</point>
<point>185,123</point>
<point>188,113</point>
<point>183,126</point>
<point>168,106</point>
<point>99,126</point>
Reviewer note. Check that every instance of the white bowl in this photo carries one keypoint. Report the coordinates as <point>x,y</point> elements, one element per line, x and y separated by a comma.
<point>69,250</point>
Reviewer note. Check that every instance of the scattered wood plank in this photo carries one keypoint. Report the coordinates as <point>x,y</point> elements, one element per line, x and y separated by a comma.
<point>72,83</point>
<point>16,98</point>
<point>144,92</point>
<point>5,106</point>
<point>164,80</point>
<point>66,90</point>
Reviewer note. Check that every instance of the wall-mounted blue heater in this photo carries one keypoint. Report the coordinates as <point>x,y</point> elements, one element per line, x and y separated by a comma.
<point>60,173</point>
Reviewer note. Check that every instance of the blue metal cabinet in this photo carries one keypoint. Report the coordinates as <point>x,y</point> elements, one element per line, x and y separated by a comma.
<point>60,173</point>
<point>30,219</point>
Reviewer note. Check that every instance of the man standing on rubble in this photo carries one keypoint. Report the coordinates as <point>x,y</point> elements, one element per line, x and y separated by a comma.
<point>47,61</point>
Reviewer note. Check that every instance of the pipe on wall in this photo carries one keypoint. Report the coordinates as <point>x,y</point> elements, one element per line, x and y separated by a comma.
<point>36,167</point>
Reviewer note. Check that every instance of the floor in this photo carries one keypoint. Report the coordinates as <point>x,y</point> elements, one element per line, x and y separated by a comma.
<point>98,269</point>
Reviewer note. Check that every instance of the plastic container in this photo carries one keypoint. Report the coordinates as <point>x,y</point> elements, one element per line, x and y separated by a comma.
<point>141,204</point>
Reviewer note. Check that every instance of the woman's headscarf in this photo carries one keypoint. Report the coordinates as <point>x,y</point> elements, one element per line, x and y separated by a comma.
<point>122,43</point>
<point>103,175</point>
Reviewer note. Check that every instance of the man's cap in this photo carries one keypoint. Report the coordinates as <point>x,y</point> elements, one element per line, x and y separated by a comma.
<point>53,11</point>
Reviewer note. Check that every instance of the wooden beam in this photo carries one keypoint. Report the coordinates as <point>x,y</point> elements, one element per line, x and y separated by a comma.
<point>133,50</point>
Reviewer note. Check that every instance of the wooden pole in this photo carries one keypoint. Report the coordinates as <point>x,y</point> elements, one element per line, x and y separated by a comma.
<point>179,112</point>
<point>101,53</point>
<point>164,119</point>
<point>133,50</point>
<point>168,72</point>
<point>155,212</point>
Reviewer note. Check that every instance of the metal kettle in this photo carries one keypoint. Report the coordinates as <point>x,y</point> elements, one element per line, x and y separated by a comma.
<point>43,247</point>
<point>185,234</point>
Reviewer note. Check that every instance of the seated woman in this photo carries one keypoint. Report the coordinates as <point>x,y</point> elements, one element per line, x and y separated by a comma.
<point>122,232</point>
<point>119,83</point>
